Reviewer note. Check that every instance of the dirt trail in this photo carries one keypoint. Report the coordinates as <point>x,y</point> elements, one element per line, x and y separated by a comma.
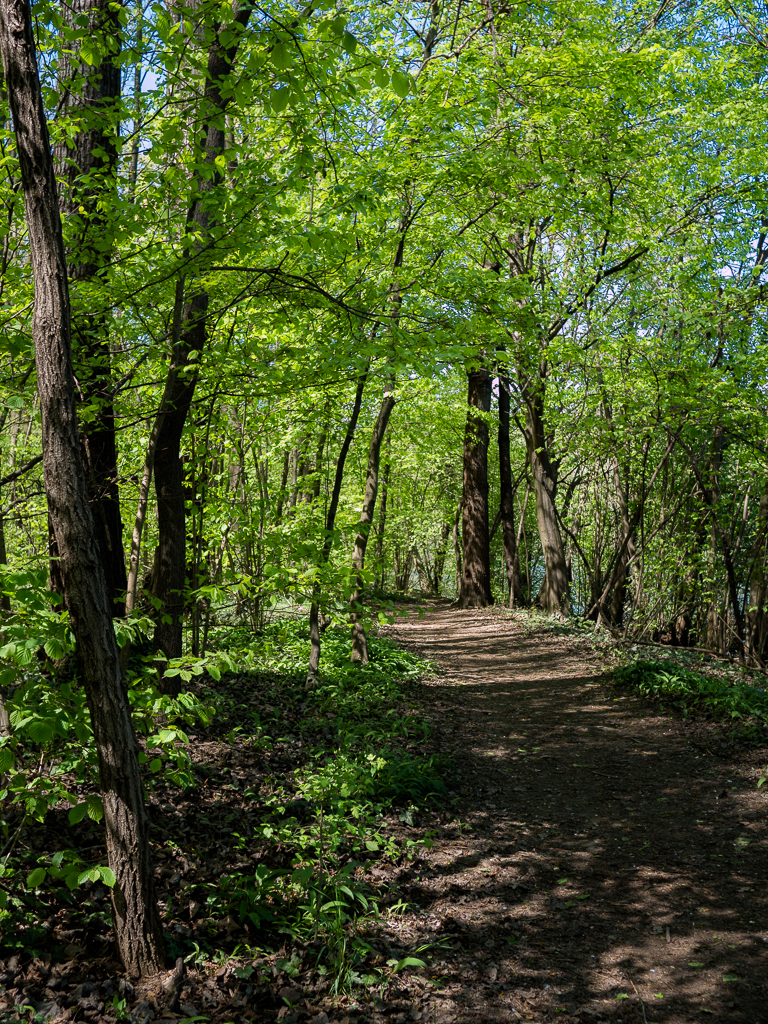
<point>615,867</point>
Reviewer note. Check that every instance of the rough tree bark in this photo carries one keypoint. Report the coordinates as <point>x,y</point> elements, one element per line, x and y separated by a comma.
<point>86,170</point>
<point>507,501</point>
<point>137,923</point>
<point>170,558</point>
<point>476,571</point>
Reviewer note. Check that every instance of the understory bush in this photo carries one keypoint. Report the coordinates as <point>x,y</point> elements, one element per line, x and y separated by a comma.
<point>331,769</point>
<point>686,689</point>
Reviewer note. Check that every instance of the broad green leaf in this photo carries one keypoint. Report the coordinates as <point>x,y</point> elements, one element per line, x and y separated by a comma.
<point>279,99</point>
<point>281,56</point>
<point>77,813</point>
<point>401,84</point>
<point>36,878</point>
<point>95,809</point>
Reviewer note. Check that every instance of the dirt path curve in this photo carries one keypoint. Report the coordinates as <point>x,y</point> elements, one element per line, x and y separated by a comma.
<point>615,865</point>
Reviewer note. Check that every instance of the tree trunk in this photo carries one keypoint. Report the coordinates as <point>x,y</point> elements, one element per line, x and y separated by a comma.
<point>476,574</point>
<point>170,558</point>
<point>439,565</point>
<point>554,595</point>
<point>137,922</point>
<point>359,639</point>
<point>422,571</point>
<point>383,512</point>
<point>283,485</point>
<point>330,524</point>
<point>456,537</point>
<point>507,501</point>
<point>86,167</point>
<point>757,619</point>
<point>627,543</point>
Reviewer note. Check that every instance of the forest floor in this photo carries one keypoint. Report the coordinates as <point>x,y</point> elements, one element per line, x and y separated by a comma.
<point>593,860</point>
<point>614,861</point>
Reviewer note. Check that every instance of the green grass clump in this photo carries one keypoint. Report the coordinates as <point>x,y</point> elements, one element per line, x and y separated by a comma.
<point>688,689</point>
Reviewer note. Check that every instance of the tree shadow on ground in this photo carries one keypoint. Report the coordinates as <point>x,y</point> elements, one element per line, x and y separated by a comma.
<point>615,863</point>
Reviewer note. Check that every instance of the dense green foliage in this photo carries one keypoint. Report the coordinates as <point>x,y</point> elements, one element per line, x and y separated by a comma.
<point>686,689</point>
<point>356,753</point>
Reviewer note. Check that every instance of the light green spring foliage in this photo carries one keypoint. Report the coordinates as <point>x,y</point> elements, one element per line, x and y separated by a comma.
<point>623,142</point>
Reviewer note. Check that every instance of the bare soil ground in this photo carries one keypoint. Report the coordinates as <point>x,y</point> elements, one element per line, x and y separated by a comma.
<point>614,867</point>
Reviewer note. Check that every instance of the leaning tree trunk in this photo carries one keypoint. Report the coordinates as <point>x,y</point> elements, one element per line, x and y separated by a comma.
<point>170,558</point>
<point>359,639</point>
<point>627,543</point>
<point>137,922</point>
<point>476,571</point>
<point>330,525</point>
<point>507,501</point>
<point>554,595</point>
<point>383,512</point>
<point>86,168</point>
<point>757,620</point>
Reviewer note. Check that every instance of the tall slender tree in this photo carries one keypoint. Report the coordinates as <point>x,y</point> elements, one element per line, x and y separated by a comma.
<point>137,923</point>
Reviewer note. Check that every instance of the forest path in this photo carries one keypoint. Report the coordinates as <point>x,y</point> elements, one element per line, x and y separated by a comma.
<point>614,867</point>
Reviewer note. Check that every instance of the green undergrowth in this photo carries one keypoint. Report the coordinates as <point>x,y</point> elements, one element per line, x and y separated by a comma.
<point>684,690</point>
<point>356,761</point>
<point>272,822</point>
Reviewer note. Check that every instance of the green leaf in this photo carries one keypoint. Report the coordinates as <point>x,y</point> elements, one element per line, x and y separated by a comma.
<point>6,759</point>
<point>53,648</point>
<point>401,84</point>
<point>349,42</point>
<point>381,78</point>
<point>409,961</point>
<point>77,814</point>
<point>155,765</point>
<point>95,808</point>
<point>40,731</point>
<point>280,99</point>
<point>730,977</point>
<point>35,878</point>
<point>695,963</point>
<point>281,56</point>
<point>89,51</point>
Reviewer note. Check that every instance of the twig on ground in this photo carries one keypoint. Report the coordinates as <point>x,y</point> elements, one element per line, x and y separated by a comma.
<point>642,1004</point>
